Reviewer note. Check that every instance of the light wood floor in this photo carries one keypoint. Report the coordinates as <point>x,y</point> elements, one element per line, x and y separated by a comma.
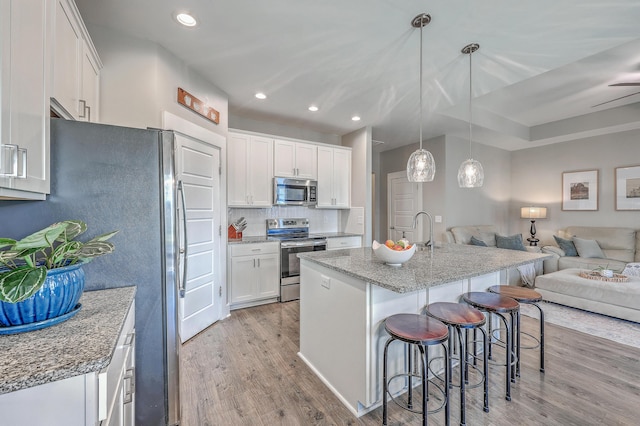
<point>244,371</point>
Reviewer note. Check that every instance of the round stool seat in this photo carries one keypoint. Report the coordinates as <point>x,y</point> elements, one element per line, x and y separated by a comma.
<point>416,329</point>
<point>492,302</point>
<point>457,314</point>
<point>521,294</point>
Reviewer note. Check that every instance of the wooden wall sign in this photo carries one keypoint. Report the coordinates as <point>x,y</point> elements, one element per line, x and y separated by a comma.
<point>196,105</point>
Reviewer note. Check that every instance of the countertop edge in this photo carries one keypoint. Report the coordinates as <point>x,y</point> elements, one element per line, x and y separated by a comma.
<point>532,257</point>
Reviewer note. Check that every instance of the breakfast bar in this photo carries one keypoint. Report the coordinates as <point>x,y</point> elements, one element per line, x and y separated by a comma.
<point>345,295</point>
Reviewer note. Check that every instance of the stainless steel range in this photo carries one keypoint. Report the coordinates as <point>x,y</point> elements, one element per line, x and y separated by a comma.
<point>294,238</point>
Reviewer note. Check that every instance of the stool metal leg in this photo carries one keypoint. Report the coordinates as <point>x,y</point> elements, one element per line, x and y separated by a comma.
<point>385,385</point>
<point>541,336</point>
<point>410,377</point>
<point>485,369</point>
<point>518,344</point>
<point>462,340</point>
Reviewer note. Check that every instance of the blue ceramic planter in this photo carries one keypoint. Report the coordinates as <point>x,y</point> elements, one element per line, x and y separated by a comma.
<point>58,295</point>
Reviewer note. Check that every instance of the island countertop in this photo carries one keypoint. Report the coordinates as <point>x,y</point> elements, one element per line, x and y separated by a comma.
<point>80,345</point>
<point>450,262</point>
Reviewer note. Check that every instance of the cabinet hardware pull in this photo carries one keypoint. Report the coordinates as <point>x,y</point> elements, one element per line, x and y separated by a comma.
<point>258,263</point>
<point>129,377</point>
<point>11,151</point>
<point>89,113</point>
<point>129,339</point>
<point>83,108</point>
<point>254,263</point>
<point>22,153</point>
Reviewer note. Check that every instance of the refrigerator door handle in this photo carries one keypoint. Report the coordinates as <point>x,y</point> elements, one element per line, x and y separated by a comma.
<point>183,249</point>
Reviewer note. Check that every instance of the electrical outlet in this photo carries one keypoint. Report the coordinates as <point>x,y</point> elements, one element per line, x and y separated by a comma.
<point>438,219</point>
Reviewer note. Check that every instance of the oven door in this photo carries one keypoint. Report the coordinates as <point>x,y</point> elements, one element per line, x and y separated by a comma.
<point>290,266</point>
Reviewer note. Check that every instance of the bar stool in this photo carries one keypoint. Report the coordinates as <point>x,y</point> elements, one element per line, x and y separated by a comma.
<point>500,305</point>
<point>463,318</point>
<point>421,331</point>
<point>529,297</point>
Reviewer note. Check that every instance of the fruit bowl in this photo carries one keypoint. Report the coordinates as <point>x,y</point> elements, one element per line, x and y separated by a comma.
<point>390,256</point>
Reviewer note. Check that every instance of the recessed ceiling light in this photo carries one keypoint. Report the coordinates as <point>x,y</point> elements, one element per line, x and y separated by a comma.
<point>355,118</point>
<point>186,19</point>
<point>261,95</point>
<point>313,108</point>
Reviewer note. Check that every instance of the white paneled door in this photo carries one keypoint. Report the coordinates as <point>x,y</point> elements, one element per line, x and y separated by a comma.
<point>198,172</point>
<point>404,201</point>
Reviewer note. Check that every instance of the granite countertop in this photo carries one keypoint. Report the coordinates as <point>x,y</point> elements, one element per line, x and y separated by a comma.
<point>80,345</point>
<point>265,239</point>
<point>451,262</point>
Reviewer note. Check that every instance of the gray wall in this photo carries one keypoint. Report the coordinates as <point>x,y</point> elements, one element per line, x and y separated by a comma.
<point>537,180</point>
<point>488,205</point>
<point>442,197</point>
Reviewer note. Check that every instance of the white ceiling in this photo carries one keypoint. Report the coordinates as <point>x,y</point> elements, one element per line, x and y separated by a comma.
<point>541,67</point>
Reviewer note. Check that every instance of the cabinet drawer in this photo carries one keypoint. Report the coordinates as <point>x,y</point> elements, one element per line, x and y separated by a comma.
<point>110,378</point>
<point>254,249</point>
<point>344,242</point>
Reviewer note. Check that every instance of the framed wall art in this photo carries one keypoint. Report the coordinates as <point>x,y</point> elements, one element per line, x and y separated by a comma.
<point>627,190</point>
<point>580,190</point>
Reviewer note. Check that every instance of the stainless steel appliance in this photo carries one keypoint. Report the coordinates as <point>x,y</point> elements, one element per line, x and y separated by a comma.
<point>294,238</point>
<point>294,192</point>
<point>122,178</point>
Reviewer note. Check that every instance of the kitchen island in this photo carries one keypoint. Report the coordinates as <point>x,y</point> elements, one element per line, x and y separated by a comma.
<point>345,295</point>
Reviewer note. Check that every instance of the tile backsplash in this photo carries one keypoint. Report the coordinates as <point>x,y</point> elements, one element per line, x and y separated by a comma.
<point>320,220</point>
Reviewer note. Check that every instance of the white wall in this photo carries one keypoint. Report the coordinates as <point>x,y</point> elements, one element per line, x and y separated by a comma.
<point>140,79</point>
<point>537,180</point>
<point>361,191</point>
<point>285,130</point>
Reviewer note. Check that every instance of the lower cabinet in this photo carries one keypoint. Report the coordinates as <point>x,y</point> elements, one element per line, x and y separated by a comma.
<point>352,241</point>
<point>101,398</point>
<point>254,271</point>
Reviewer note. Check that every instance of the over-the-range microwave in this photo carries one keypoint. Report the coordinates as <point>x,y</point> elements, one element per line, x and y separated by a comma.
<point>294,192</point>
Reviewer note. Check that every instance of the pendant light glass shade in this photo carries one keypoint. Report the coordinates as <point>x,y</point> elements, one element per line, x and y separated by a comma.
<point>421,166</point>
<point>470,173</point>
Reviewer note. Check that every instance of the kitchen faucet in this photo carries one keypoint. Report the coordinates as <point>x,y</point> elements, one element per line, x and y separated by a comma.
<point>415,224</point>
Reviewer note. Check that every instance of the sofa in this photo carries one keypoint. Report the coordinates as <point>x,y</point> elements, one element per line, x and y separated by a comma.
<point>487,234</point>
<point>619,247</point>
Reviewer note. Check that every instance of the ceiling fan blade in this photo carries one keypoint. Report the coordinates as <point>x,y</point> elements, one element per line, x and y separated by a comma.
<point>613,100</point>
<point>631,83</point>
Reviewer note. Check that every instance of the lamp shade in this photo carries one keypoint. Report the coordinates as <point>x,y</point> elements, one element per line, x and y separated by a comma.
<point>533,212</point>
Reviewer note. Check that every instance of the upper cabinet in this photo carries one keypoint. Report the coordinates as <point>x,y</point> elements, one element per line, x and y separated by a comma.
<point>250,171</point>
<point>295,159</point>
<point>25,31</point>
<point>76,66</point>
<point>334,177</point>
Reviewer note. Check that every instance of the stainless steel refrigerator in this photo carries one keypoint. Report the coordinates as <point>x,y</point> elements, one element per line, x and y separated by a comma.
<point>122,178</point>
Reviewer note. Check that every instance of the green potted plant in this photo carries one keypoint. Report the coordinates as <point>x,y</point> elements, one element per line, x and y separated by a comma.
<point>52,258</point>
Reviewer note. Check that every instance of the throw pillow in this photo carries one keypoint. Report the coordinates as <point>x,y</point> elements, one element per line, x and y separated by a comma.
<point>588,248</point>
<point>566,245</point>
<point>512,242</point>
<point>478,242</point>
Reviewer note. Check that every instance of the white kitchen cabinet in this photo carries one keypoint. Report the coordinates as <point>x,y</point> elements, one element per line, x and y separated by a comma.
<point>116,383</point>
<point>99,398</point>
<point>334,177</point>
<point>25,30</point>
<point>76,66</point>
<point>295,159</point>
<point>250,171</point>
<point>254,271</point>
<point>352,241</point>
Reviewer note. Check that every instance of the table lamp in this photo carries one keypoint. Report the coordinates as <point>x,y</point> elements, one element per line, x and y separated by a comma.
<point>533,213</point>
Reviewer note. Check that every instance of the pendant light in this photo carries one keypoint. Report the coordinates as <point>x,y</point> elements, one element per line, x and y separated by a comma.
<point>470,173</point>
<point>421,167</point>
